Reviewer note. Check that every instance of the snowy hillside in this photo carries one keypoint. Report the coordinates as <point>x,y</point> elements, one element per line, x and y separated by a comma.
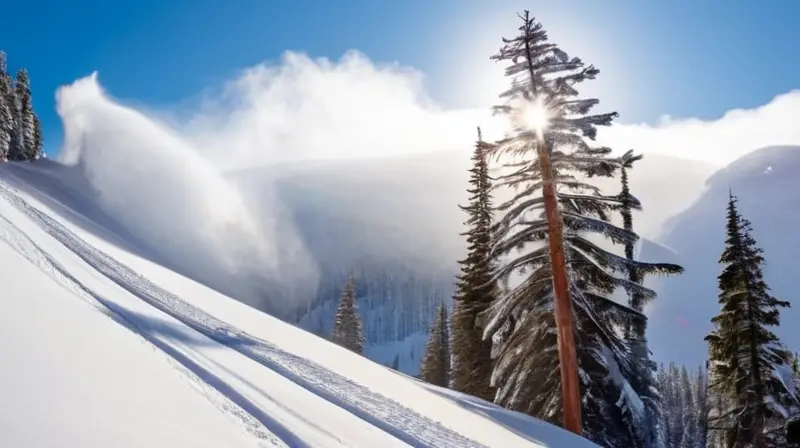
<point>103,347</point>
<point>765,182</point>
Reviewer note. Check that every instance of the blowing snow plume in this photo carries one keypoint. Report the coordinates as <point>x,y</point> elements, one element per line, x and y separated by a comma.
<point>174,187</point>
<point>167,195</point>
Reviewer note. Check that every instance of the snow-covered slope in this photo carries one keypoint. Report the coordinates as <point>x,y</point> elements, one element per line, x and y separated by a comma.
<point>102,346</point>
<point>766,184</point>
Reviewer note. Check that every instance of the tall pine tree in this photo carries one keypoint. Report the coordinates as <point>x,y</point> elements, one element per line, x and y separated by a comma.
<point>643,368</point>
<point>746,357</point>
<point>526,363</point>
<point>435,367</point>
<point>347,326</point>
<point>475,290</point>
<point>7,109</point>
<point>26,122</point>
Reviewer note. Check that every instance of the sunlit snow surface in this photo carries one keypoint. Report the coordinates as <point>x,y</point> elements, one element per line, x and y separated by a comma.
<point>103,347</point>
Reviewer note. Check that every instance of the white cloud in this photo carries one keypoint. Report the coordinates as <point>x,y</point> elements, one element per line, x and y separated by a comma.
<point>719,141</point>
<point>306,108</point>
<point>317,109</point>
<point>164,181</point>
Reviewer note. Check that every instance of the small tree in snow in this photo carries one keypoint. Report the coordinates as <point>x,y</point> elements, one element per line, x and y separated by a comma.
<point>347,327</point>
<point>435,368</point>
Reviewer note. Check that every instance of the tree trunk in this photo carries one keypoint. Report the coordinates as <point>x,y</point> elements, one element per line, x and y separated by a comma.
<point>570,388</point>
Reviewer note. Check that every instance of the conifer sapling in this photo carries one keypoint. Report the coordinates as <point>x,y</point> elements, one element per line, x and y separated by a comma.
<point>347,326</point>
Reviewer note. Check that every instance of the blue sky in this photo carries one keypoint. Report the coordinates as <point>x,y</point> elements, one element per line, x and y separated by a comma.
<point>682,58</point>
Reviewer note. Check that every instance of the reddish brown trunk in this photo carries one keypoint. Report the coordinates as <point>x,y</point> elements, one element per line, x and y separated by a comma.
<point>570,389</point>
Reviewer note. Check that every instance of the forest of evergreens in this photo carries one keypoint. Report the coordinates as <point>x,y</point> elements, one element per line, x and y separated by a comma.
<point>20,130</point>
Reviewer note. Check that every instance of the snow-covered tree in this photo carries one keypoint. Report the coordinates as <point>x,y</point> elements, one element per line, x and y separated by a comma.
<point>347,327</point>
<point>435,367</point>
<point>26,123</point>
<point>38,139</point>
<point>747,359</point>
<point>686,405</point>
<point>475,290</point>
<point>7,109</point>
<point>643,368</point>
<point>689,411</point>
<point>663,387</point>
<point>673,408</point>
<point>526,362</point>
<point>396,300</point>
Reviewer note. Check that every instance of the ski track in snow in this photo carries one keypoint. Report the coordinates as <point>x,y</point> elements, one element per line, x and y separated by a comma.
<point>213,388</point>
<point>372,407</point>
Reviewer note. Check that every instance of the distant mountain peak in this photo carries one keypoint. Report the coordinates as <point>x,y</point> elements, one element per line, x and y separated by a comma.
<point>773,160</point>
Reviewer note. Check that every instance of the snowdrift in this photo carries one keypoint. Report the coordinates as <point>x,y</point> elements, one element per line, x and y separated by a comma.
<point>102,345</point>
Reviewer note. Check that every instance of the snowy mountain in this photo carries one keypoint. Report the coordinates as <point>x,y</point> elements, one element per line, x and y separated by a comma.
<point>102,346</point>
<point>765,182</point>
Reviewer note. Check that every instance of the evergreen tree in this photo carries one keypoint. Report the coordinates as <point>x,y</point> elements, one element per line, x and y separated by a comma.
<point>475,290</point>
<point>7,108</point>
<point>662,379</point>
<point>643,368</point>
<point>435,367</point>
<point>745,355</point>
<point>26,123</point>
<point>702,407</point>
<point>526,362</point>
<point>347,327</point>
<point>686,405</point>
<point>674,408</point>
<point>689,411</point>
<point>38,139</point>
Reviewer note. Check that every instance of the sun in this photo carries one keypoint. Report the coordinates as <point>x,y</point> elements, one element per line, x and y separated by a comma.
<point>536,116</point>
